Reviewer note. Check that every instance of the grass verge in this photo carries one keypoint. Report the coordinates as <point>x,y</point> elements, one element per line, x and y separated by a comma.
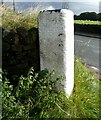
<point>87,22</point>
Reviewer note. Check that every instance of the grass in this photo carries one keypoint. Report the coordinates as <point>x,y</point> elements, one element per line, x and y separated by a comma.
<point>86,94</point>
<point>87,22</point>
<point>12,20</point>
<point>84,101</point>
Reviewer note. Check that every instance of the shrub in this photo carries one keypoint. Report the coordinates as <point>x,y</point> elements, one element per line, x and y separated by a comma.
<point>35,96</point>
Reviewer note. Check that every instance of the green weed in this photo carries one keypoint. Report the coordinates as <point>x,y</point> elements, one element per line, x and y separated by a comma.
<point>35,96</point>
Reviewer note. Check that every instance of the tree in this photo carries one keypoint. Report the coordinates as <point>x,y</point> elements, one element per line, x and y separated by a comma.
<point>88,16</point>
<point>84,16</point>
<point>76,17</point>
<point>99,16</point>
<point>93,16</point>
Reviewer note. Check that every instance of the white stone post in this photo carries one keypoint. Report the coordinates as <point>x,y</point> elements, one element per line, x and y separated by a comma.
<point>56,38</point>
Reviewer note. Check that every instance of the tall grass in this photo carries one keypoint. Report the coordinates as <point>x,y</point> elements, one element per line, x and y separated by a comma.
<point>11,20</point>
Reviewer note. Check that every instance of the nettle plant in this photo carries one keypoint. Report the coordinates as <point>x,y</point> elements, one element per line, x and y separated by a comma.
<point>35,96</point>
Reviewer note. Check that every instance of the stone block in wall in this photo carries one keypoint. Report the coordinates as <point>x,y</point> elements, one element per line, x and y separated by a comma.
<point>23,35</point>
<point>33,35</point>
<point>9,36</point>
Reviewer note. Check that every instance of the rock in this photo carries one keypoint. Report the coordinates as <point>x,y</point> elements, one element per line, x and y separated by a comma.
<point>9,36</point>
<point>23,35</point>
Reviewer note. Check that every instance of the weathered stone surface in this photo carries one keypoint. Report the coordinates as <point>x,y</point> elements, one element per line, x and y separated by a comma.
<point>23,35</point>
<point>20,51</point>
<point>56,36</point>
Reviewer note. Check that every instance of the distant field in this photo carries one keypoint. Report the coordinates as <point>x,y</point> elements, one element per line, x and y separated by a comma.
<point>87,22</point>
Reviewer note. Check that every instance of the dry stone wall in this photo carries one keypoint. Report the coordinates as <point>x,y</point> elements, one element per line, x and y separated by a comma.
<point>20,50</point>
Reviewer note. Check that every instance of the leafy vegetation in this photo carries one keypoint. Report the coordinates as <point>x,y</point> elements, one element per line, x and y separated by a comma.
<point>88,18</point>
<point>93,16</point>
<point>36,97</point>
<point>87,22</point>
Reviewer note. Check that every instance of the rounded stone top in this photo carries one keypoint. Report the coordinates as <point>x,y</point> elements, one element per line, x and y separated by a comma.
<point>56,10</point>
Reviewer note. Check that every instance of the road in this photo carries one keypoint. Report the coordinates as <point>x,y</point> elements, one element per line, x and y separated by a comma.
<point>87,48</point>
